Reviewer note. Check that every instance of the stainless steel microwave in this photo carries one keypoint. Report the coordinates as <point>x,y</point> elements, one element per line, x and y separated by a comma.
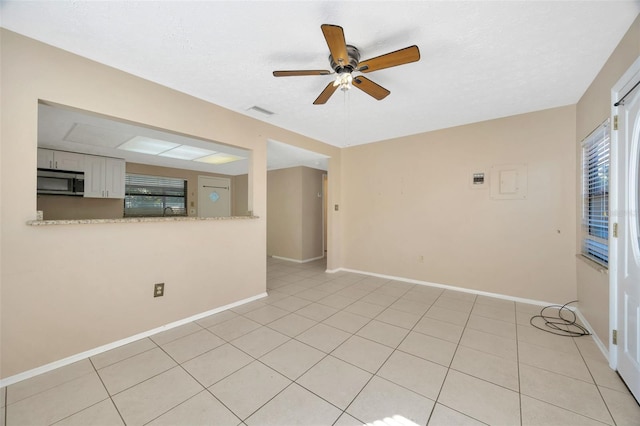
<point>60,183</point>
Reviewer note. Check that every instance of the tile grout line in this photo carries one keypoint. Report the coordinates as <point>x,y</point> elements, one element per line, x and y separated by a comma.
<point>107,391</point>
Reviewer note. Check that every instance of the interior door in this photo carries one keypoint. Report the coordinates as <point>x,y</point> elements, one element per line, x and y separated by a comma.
<point>627,264</point>
<point>214,196</point>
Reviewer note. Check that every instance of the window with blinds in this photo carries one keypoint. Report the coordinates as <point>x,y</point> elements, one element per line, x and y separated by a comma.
<point>154,196</point>
<point>595,200</point>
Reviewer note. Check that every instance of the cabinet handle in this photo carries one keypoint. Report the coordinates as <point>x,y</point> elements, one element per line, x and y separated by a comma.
<point>56,165</point>
<point>51,164</point>
<point>107,193</point>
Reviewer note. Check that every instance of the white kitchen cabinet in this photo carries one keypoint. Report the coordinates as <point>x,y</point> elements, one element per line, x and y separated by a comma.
<point>103,177</point>
<point>60,160</point>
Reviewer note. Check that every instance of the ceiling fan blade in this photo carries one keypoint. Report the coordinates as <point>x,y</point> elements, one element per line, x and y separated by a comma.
<point>326,94</point>
<point>337,45</point>
<point>370,88</point>
<point>300,72</point>
<point>399,57</point>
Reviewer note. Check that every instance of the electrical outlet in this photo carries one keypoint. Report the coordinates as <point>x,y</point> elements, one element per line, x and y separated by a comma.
<point>158,290</point>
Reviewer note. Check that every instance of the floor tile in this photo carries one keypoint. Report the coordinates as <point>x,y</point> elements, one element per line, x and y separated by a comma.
<point>539,413</point>
<point>378,298</point>
<point>480,400</point>
<point>410,306</point>
<point>293,358</point>
<point>447,315</point>
<point>365,309</point>
<point>492,368</point>
<point>102,413</point>
<point>335,381</point>
<point>131,371</point>
<point>440,329</point>
<point>603,375</point>
<point>381,399</point>
<point>192,345</point>
<point>558,362</point>
<point>347,420</point>
<point>291,303</point>
<point>490,343</point>
<point>316,311</point>
<point>266,314</point>
<point>313,294</point>
<point>398,318</point>
<point>363,353</point>
<point>623,407</point>
<point>123,352</point>
<point>445,416</point>
<point>429,348</point>
<point>46,381</point>
<point>323,337</point>
<point>416,374</point>
<point>547,340</point>
<point>201,409</point>
<point>453,304</point>
<point>248,307</point>
<point>589,349</point>
<point>172,334</point>
<point>217,364</point>
<point>492,326</point>
<point>58,402</point>
<point>216,319</point>
<point>565,392</point>
<point>504,304</point>
<point>380,332</point>
<point>346,321</point>
<point>497,313</point>
<point>259,341</point>
<point>292,324</point>
<point>337,301</point>
<point>234,328</point>
<point>249,388</point>
<point>154,397</point>
<point>295,406</point>
<point>274,296</point>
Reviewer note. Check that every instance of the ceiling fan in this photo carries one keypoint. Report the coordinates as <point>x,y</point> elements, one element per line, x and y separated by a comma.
<point>345,60</point>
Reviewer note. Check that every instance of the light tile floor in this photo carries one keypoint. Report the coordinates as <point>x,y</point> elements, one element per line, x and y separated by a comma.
<point>338,349</point>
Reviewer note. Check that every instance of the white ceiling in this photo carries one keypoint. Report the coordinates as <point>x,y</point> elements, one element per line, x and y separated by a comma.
<point>479,59</point>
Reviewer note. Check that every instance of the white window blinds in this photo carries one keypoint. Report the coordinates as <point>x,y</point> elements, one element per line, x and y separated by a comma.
<point>595,204</point>
<point>154,196</point>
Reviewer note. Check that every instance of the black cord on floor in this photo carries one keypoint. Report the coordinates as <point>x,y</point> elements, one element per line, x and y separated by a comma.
<point>563,324</point>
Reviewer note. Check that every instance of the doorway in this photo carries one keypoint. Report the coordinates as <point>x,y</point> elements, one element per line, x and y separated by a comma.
<point>214,197</point>
<point>625,273</point>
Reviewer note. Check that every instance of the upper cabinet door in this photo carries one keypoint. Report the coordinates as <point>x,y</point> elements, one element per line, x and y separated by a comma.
<point>114,178</point>
<point>60,160</point>
<point>94,177</point>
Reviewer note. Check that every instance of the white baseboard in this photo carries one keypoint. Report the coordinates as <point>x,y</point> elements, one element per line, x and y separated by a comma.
<point>298,260</point>
<point>445,286</point>
<point>596,339</point>
<point>92,352</point>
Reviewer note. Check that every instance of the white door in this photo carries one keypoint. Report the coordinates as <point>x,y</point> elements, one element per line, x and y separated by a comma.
<point>214,197</point>
<point>627,262</point>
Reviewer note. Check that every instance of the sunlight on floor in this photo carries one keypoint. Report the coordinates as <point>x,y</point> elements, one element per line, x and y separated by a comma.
<point>396,420</point>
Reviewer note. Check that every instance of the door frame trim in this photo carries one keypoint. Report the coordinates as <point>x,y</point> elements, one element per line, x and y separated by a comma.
<point>614,200</point>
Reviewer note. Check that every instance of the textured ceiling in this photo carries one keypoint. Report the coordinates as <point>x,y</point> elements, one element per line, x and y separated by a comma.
<point>479,59</point>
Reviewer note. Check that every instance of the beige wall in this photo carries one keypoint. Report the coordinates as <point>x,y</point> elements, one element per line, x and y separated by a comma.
<point>593,108</point>
<point>294,213</point>
<point>411,197</point>
<point>52,308</point>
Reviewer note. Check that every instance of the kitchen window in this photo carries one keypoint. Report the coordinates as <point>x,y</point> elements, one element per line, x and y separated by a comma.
<point>595,198</point>
<point>153,196</point>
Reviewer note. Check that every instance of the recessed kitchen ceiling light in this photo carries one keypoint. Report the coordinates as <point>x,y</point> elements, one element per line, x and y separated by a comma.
<point>147,145</point>
<point>219,158</point>
<point>186,152</point>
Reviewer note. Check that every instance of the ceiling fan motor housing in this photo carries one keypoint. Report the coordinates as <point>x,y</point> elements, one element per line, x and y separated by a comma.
<point>354,59</point>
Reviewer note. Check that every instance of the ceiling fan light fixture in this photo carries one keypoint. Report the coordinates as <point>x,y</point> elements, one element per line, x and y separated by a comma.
<point>343,81</point>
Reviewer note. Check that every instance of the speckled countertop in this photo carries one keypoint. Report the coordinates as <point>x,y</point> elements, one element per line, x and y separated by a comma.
<point>133,220</point>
